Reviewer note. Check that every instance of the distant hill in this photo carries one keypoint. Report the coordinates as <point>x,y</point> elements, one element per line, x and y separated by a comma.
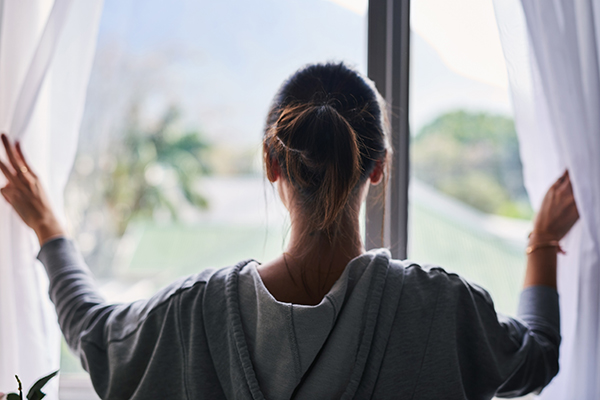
<point>222,61</point>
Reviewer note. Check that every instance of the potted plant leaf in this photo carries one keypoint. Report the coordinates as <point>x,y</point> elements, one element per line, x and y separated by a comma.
<point>35,393</point>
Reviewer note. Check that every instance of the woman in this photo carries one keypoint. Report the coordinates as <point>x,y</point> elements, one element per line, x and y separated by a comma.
<point>326,319</point>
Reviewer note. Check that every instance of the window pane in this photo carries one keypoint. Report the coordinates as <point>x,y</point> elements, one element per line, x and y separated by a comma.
<point>168,179</point>
<point>469,211</point>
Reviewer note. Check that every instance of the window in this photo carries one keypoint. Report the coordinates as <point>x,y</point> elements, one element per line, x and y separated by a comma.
<point>468,209</point>
<point>456,199</point>
<point>168,178</point>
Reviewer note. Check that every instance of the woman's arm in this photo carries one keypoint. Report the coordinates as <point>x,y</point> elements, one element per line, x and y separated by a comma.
<point>131,351</point>
<point>538,305</point>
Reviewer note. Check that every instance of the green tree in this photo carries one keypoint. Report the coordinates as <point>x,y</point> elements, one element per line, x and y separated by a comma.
<point>154,169</point>
<point>473,157</point>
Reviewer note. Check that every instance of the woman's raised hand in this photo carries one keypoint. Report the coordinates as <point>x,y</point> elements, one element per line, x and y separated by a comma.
<point>558,212</point>
<point>557,215</point>
<point>26,195</point>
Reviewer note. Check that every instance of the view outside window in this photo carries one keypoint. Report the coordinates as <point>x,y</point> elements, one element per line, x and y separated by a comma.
<point>168,179</point>
<point>469,211</point>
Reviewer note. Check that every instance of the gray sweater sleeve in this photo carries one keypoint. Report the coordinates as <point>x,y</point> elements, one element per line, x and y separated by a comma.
<point>72,289</point>
<point>539,314</point>
<point>128,349</point>
<point>522,352</point>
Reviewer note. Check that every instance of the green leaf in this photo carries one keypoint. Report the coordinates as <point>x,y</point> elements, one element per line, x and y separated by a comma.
<point>35,393</point>
<point>20,388</point>
<point>13,396</point>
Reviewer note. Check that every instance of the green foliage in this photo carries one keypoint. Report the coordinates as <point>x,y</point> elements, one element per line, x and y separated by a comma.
<point>14,396</point>
<point>35,393</point>
<point>473,157</point>
<point>152,169</point>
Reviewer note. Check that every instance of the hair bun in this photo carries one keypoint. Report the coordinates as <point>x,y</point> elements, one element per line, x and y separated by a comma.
<point>325,130</point>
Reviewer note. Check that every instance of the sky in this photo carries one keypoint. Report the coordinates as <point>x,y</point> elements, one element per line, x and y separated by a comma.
<point>457,59</point>
<point>462,32</point>
<point>222,62</point>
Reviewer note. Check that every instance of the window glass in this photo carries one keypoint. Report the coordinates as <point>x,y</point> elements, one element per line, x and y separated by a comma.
<point>469,211</point>
<point>168,177</point>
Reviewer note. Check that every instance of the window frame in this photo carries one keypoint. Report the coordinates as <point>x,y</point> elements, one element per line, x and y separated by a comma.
<point>388,61</point>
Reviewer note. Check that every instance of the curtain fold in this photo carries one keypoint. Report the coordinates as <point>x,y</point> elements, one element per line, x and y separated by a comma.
<point>46,53</point>
<point>552,56</point>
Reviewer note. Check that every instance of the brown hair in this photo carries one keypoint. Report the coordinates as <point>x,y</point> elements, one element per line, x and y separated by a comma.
<point>326,131</point>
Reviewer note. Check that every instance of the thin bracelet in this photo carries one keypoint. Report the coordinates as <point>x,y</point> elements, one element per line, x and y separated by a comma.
<point>553,243</point>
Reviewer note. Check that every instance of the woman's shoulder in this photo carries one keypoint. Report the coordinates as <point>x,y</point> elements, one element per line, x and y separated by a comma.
<point>211,278</point>
<point>197,282</point>
<point>430,278</point>
<point>422,275</point>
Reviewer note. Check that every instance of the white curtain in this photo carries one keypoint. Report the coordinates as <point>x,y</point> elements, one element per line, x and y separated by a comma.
<point>552,55</point>
<point>46,53</point>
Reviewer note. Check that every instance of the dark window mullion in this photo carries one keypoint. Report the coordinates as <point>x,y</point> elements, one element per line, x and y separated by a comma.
<point>388,66</point>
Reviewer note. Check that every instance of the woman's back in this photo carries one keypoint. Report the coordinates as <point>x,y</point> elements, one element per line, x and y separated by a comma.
<point>387,329</point>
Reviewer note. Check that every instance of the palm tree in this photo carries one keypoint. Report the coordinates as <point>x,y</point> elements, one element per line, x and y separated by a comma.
<point>155,169</point>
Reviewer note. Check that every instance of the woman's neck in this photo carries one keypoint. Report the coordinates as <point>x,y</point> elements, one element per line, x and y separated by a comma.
<point>313,261</point>
<point>343,241</point>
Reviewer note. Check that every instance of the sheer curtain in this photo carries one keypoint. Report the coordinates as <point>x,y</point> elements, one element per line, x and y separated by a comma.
<point>46,53</point>
<point>552,55</point>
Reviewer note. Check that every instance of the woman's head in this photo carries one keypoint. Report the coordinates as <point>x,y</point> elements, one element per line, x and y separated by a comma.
<point>325,134</point>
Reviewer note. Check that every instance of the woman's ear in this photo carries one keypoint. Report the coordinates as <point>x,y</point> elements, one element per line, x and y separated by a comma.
<point>377,174</point>
<point>273,170</point>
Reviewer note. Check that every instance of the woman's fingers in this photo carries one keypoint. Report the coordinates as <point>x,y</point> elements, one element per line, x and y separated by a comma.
<point>565,191</point>
<point>23,160</point>
<point>8,193</point>
<point>558,211</point>
<point>10,153</point>
<point>562,180</point>
<point>564,186</point>
<point>7,173</point>
<point>21,169</point>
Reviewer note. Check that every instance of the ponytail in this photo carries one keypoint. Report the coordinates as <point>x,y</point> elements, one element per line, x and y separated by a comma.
<point>318,153</point>
<point>326,130</point>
